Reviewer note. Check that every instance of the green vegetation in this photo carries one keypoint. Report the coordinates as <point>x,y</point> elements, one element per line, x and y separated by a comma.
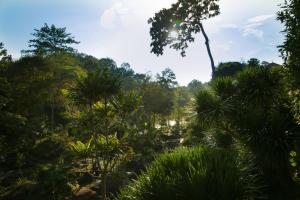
<point>196,173</point>
<point>77,127</point>
<point>250,108</point>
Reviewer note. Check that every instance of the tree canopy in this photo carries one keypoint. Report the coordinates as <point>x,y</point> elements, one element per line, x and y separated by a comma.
<point>289,15</point>
<point>178,25</point>
<point>50,39</point>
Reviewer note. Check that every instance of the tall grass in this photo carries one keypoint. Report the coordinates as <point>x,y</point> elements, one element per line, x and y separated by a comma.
<point>197,173</point>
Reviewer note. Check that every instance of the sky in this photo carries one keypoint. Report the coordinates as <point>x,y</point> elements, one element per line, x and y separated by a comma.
<point>118,29</point>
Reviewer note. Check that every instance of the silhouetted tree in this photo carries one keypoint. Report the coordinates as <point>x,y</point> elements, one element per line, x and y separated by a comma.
<point>253,62</point>
<point>177,25</point>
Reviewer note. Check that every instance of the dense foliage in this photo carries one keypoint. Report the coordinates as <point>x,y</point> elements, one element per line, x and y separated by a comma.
<point>251,108</point>
<point>290,49</point>
<point>71,121</point>
<point>196,173</point>
<point>50,39</point>
<point>73,126</point>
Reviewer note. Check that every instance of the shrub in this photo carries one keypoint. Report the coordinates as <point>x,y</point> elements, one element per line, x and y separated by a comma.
<point>197,173</point>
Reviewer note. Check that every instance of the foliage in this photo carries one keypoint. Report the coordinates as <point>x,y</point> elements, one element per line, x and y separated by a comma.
<point>55,145</point>
<point>167,78</point>
<point>23,187</point>
<point>50,39</point>
<point>157,99</point>
<point>250,107</point>
<point>68,116</point>
<point>229,69</point>
<point>185,18</point>
<point>289,16</point>
<point>110,152</point>
<point>4,58</point>
<point>199,173</point>
<point>253,62</point>
<point>194,86</point>
<point>55,182</point>
<point>96,85</point>
<point>106,152</point>
<point>178,25</point>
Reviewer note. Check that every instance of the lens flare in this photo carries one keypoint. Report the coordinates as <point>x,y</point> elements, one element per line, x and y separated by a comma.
<point>173,34</point>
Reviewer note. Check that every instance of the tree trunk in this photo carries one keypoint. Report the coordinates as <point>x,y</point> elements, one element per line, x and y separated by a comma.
<point>104,176</point>
<point>154,121</point>
<point>213,68</point>
<point>104,182</point>
<point>52,116</point>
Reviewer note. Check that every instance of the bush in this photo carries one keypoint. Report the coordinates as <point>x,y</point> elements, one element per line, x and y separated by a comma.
<point>54,182</point>
<point>252,108</point>
<point>197,173</point>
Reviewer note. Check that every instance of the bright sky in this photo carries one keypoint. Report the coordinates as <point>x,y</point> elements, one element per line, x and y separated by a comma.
<point>118,29</point>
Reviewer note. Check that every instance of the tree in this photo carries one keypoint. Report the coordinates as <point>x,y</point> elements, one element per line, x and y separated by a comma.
<point>181,100</point>
<point>11,122</point>
<point>107,153</point>
<point>50,39</point>
<point>88,62</point>
<point>97,85</point>
<point>108,62</point>
<point>251,108</point>
<point>157,100</point>
<point>229,69</point>
<point>99,90</point>
<point>177,26</point>
<point>42,81</point>
<point>253,62</point>
<point>194,86</point>
<point>4,58</point>
<point>290,49</point>
<point>167,78</point>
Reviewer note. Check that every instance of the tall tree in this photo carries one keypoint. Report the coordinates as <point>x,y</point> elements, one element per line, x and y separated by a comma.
<point>290,49</point>
<point>50,39</point>
<point>4,57</point>
<point>178,25</point>
<point>253,62</point>
<point>97,91</point>
<point>167,78</point>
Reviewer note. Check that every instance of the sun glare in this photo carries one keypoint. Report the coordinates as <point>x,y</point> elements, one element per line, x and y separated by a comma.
<point>173,34</point>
